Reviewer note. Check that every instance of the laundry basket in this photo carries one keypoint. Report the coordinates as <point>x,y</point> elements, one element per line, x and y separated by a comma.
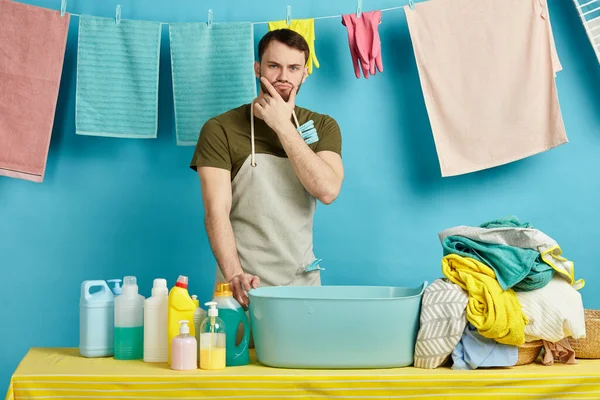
<point>588,347</point>
<point>335,326</point>
<point>529,352</point>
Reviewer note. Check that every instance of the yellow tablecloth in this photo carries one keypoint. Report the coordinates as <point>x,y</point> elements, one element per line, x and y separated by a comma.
<point>59,373</point>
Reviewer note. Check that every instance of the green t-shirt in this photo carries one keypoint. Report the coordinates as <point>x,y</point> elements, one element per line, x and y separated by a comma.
<point>224,140</point>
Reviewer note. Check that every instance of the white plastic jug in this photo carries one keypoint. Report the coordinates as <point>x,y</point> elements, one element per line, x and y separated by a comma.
<point>129,322</point>
<point>156,309</point>
<point>96,320</point>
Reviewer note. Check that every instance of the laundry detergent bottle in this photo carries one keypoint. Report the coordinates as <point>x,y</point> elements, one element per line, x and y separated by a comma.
<point>181,308</point>
<point>156,309</point>
<point>233,315</point>
<point>96,320</point>
<point>129,322</point>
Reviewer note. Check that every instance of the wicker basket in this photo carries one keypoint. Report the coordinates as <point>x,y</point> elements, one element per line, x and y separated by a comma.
<point>529,352</point>
<point>589,347</point>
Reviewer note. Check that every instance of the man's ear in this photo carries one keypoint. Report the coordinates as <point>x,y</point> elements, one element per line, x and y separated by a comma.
<point>305,74</point>
<point>257,69</point>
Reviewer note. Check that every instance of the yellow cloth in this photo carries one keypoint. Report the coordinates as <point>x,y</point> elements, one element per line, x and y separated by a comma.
<point>306,28</point>
<point>495,313</point>
<point>62,374</point>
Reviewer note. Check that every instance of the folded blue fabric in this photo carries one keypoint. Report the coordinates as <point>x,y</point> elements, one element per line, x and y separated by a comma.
<point>117,78</point>
<point>475,351</point>
<point>213,72</point>
<point>516,268</point>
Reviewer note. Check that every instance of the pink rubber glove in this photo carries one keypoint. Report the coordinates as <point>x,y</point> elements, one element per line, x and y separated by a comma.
<point>368,42</point>
<point>349,23</point>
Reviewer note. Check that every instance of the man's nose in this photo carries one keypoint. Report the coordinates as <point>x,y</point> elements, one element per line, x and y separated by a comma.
<point>283,75</point>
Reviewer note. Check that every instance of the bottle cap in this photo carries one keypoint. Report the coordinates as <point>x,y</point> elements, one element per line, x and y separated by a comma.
<point>223,289</point>
<point>117,288</point>
<point>212,311</point>
<point>184,329</point>
<point>182,282</point>
<point>159,287</point>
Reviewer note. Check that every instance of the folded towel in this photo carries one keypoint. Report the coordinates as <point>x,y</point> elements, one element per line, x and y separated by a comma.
<point>442,323</point>
<point>495,313</point>
<point>117,78</point>
<point>560,351</point>
<point>487,74</point>
<point>306,28</point>
<point>505,222</point>
<point>554,312</point>
<point>212,71</point>
<point>517,268</point>
<point>525,238</point>
<point>32,50</point>
<point>475,351</point>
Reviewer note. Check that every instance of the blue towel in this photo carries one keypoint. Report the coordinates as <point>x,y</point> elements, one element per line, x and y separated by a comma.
<point>475,351</point>
<point>117,78</point>
<point>213,72</point>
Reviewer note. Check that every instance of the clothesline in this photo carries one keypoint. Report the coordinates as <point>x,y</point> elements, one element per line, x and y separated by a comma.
<point>266,22</point>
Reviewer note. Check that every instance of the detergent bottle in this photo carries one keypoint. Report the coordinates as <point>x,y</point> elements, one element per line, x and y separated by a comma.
<point>212,351</point>
<point>184,349</point>
<point>129,322</point>
<point>232,314</point>
<point>96,320</point>
<point>156,309</point>
<point>181,308</point>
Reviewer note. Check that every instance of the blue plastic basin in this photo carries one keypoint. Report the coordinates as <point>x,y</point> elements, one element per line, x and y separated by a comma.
<point>335,326</point>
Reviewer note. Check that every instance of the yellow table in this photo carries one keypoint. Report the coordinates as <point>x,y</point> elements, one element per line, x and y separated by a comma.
<point>57,373</point>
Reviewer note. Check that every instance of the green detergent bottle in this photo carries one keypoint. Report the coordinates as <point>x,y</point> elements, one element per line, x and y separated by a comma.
<point>232,314</point>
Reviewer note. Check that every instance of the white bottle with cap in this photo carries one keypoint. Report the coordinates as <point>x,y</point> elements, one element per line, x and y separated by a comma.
<point>156,309</point>
<point>199,316</point>
<point>184,349</point>
<point>129,322</point>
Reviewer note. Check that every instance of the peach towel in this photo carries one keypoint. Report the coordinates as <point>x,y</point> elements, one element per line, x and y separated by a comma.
<point>487,71</point>
<point>32,49</point>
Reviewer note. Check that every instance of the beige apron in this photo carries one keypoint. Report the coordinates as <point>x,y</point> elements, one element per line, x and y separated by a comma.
<point>272,220</point>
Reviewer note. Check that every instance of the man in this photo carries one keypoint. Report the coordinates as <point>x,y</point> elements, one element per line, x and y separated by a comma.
<point>260,179</point>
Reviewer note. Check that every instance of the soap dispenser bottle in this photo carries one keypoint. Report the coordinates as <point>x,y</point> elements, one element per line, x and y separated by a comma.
<point>184,349</point>
<point>212,340</point>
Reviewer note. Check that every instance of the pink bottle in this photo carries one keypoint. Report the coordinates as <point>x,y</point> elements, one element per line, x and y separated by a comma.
<point>184,349</point>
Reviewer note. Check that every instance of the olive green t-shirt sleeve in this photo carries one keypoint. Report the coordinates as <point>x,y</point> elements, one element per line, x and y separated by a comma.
<point>212,149</point>
<point>330,137</point>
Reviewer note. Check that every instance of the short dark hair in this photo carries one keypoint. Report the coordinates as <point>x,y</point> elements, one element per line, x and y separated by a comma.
<point>286,36</point>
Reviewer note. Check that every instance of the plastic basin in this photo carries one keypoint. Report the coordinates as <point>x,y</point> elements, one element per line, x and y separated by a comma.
<point>335,326</point>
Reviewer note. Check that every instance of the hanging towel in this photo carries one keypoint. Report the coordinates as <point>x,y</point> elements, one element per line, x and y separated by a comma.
<point>32,50</point>
<point>589,13</point>
<point>117,78</point>
<point>525,238</point>
<point>442,320</point>
<point>495,313</point>
<point>364,41</point>
<point>306,28</point>
<point>517,268</point>
<point>475,351</point>
<point>487,72</point>
<point>213,72</point>
<point>554,312</point>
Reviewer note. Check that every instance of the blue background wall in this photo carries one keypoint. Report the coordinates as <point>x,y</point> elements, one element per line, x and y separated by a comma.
<point>115,207</point>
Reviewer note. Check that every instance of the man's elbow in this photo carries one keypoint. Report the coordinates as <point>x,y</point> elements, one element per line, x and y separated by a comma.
<point>329,196</point>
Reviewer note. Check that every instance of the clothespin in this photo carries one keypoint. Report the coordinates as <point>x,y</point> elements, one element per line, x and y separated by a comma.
<point>359,9</point>
<point>288,17</point>
<point>63,7</point>
<point>118,14</point>
<point>411,3</point>
<point>210,18</point>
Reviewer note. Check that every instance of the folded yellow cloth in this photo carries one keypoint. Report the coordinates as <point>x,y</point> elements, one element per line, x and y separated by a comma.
<point>495,313</point>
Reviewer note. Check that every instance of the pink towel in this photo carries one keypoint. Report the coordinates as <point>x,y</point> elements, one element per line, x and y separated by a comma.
<point>32,48</point>
<point>364,41</point>
<point>487,72</point>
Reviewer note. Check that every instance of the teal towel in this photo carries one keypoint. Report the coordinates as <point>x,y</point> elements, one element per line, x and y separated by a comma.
<point>506,222</point>
<point>213,72</point>
<point>516,268</point>
<point>117,78</point>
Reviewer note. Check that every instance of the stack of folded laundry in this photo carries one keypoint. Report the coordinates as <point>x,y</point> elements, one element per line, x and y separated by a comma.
<point>506,283</point>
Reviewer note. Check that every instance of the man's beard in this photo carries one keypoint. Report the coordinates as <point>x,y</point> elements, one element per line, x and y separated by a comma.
<point>286,96</point>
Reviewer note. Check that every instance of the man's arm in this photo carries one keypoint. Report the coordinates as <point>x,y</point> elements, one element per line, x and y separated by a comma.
<point>321,173</point>
<point>216,195</point>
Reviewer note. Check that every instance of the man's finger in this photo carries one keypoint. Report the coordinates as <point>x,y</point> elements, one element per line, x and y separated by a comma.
<point>246,282</point>
<point>269,87</point>
<point>255,281</point>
